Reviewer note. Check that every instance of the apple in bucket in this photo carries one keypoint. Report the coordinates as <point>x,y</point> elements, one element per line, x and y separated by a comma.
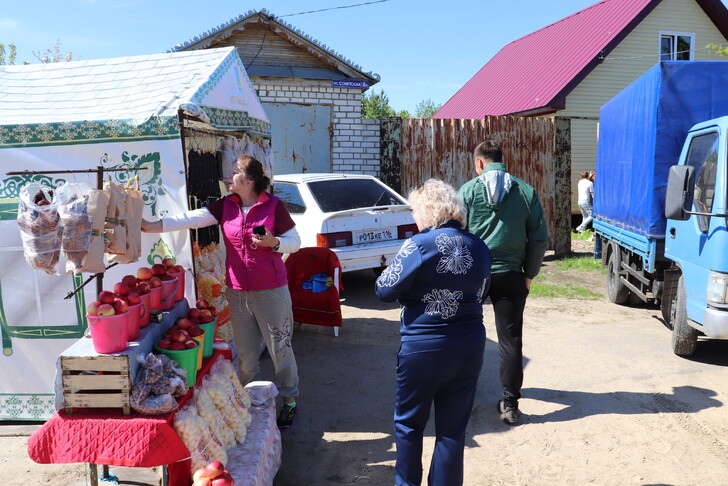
<point>168,262</point>
<point>105,310</point>
<point>93,308</point>
<point>121,288</point>
<point>159,269</point>
<point>144,273</point>
<point>106,297</point>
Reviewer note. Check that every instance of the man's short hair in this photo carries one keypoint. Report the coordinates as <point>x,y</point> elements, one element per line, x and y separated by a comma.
<point>489,150</point>
<point>585,175</point>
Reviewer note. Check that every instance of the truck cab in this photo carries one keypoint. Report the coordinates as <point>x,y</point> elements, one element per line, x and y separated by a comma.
<point>696,238</point>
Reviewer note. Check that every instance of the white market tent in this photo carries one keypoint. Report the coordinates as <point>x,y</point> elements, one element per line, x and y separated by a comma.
<point>133,112</point>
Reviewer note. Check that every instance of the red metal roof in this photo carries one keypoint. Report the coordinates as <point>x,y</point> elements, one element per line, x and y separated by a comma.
<point>537,71</point>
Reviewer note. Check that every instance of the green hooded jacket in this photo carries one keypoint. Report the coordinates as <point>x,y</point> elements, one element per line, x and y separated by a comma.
<point>508,217</point>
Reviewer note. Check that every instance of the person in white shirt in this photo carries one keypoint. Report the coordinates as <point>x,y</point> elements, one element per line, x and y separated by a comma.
<point>585,190</point>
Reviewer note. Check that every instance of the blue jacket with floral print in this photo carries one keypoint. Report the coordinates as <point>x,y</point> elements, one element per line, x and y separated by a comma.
<point>439,277</point>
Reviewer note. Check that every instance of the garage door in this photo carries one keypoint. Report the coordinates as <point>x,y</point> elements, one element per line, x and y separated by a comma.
<point>300,137</point>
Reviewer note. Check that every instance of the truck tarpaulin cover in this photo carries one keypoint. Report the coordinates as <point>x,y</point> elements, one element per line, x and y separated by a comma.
<point>641,134</point>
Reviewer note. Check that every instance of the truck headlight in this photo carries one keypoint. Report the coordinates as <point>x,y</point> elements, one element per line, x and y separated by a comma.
<point>717,289</point>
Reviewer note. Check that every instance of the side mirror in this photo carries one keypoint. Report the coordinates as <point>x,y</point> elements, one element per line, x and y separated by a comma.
<point>679,196</point>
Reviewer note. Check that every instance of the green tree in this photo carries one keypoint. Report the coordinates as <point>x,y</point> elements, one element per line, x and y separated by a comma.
<point>376,105</point>
<point>426,108</point>
<point>10,59</point>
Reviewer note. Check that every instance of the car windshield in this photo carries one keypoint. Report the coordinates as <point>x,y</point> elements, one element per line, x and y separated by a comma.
<point>344,194</point>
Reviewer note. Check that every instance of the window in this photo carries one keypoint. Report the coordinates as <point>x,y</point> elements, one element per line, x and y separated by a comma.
<point>703,156</point>
<point>291,197</point>
<point>344,194</point>
<point>676,46</point>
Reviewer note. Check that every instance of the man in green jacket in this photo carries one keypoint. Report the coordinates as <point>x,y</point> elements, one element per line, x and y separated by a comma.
<point>505,212</point>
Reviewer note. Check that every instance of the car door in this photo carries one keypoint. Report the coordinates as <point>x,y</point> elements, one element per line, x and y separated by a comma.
<point>692,243</point>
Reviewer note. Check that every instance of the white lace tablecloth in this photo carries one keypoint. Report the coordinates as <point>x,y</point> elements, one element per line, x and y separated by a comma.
<point>256,461</point>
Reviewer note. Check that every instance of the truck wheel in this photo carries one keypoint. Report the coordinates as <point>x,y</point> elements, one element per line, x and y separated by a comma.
<point>669,292</point>
<point>616,290</point>
<point>684,336</point>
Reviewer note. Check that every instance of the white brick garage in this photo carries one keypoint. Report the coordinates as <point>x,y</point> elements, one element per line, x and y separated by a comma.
<point>316,127</point>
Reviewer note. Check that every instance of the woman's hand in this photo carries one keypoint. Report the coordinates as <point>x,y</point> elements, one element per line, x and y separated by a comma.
<point>151,226</point>
<point>266,240</point>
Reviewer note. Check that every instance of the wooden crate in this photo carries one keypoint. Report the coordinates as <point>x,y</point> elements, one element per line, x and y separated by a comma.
<point>96,382</point>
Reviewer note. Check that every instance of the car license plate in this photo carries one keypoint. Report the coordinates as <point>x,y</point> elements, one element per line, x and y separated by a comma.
<point>373,236</point>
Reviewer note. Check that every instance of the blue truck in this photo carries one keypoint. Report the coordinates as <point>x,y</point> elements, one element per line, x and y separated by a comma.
<point>660,197</point>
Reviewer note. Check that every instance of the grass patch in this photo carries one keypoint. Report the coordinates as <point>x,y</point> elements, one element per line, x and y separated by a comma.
<point>580,263</point>
<point>541,288</point>
<point>582,236</point>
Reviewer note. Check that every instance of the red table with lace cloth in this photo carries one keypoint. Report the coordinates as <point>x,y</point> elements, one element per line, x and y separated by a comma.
<point>108,437</point>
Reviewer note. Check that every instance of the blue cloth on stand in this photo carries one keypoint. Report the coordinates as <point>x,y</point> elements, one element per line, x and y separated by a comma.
<point>318,283</point>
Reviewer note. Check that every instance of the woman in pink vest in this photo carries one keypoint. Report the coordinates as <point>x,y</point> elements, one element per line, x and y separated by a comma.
<point>257,230</point>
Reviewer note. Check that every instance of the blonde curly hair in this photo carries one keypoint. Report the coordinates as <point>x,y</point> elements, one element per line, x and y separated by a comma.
<point>435,203</point>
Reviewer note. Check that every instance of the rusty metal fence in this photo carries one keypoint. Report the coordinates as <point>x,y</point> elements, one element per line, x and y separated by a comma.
<point>536,150</point>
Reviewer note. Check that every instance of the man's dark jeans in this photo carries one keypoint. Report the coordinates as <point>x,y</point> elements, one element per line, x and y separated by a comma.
<point>508,294</point>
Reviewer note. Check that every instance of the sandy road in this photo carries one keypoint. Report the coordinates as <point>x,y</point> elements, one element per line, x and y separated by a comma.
<point>605,403</point>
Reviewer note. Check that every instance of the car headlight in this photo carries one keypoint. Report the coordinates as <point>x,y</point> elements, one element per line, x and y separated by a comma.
<point>718,289</point>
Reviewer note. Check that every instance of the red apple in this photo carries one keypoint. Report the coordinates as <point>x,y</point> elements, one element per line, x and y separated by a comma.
<point>191,344</point>
<point>212,310</point>
<point>225,479</point>
<point>106,297</point>
<point>133,298</point>
<point>106,310</point>
<point>199,474</point>
<point>202,304</point>
<point>93,308</point>
<point>177,335</point>
<point>178,269</point>
<point>205,312</point>
<point>130,280</point>
<point>206,319</point>
<point>166,277</point>
<point>144,288</point>
<point>159,269</point>
<point>154,282</point>
<point>168,262</point>
<point>164,343</point>
<point>193,313</point>
<point>121,288</point>
<point>214,469</point>
<point>195,331</point>
<point>202,481</point>
<point>120,306</point>
<point>144,273</point>
<point>184,323</point>
<point>176,346</point>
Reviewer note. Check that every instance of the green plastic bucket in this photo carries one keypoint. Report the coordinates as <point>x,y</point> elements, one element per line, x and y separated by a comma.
<point>209,329</point>
<point>185,358</point>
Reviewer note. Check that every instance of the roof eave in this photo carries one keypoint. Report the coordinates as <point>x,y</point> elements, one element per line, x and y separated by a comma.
<point>717,13</point>
<point>238,24</point>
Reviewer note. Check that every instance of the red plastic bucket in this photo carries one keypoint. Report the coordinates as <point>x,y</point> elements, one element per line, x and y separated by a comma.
<point>147,301</point>
<point>109,334</point>
<point>180,276</point>
<point>135,320</point>
<point>169,291</point>
<point>156,298</point>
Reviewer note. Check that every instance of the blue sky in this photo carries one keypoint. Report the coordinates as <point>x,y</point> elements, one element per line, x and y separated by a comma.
<point>422,49</point>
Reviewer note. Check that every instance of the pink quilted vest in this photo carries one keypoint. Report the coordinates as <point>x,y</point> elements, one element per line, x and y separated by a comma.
<point>251,268</point>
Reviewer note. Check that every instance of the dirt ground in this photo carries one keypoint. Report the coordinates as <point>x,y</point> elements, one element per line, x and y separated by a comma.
<point>605,402</point>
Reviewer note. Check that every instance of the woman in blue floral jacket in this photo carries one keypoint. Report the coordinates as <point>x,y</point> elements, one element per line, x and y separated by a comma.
<point>439,277</point>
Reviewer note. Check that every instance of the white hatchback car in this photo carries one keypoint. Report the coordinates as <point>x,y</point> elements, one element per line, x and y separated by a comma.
<point>358,217</point>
